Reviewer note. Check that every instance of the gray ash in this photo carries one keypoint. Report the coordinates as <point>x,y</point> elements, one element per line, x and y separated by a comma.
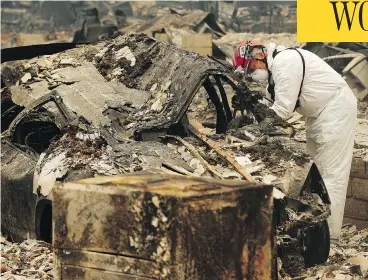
<point>271,153</point>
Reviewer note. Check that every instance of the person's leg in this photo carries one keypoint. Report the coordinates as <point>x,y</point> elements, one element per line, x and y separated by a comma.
<point>333,160</point>
<point>333,145</point>
<point>311,144</point>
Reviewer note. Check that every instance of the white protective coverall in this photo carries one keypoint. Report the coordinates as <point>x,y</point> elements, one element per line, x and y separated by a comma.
<point>330,108</point>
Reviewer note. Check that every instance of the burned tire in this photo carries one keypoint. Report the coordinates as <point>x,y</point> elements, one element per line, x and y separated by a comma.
<point>317,243</point>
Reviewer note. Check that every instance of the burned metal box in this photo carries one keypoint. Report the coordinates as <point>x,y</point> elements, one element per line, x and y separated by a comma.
<point>145,226</point>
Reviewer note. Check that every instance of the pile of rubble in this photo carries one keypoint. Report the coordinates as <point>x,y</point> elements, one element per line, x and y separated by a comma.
<point>258,16</point>
<point>363,110</point>
<point>348,258</point>
<point>31,259</point>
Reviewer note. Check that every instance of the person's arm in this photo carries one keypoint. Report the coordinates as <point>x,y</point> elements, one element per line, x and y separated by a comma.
<point>287,73</point>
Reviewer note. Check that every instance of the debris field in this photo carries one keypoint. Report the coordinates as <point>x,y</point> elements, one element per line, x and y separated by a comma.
<point>135,103</point>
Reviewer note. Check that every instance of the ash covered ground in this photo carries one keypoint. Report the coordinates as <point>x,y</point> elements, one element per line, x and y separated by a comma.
<point>348,259</point>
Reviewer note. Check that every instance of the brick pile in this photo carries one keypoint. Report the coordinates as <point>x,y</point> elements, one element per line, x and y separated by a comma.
<point>356,207</point>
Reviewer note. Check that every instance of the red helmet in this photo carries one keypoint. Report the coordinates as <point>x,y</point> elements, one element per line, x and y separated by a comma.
<point>247,59</point>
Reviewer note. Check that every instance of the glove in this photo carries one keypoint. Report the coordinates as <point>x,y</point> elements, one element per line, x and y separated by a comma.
<point>235,102</point>
<point>239,72</point>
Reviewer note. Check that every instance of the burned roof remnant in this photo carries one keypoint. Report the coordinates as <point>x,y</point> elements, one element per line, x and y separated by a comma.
<point>181,29</point>
<point>92,30</point>
<point>196,20</point>
<point>121,18</point>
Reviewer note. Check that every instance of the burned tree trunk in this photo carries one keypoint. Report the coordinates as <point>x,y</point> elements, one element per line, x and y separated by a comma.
<point>144,226</point>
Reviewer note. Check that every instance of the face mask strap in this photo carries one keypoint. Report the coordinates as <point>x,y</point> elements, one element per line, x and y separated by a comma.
<point>264,60</point>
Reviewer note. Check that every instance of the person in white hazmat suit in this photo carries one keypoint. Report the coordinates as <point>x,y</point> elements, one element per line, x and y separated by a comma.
<point>300,80</point>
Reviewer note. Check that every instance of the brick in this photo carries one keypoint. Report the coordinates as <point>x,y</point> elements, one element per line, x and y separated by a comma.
<point>349,192</point>
<point>359,188</point>
<point>359,168</point>
<point>360,224</point>
<point>355,208</point>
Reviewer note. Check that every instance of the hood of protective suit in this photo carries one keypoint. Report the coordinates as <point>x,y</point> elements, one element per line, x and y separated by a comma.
<point>270,49</point>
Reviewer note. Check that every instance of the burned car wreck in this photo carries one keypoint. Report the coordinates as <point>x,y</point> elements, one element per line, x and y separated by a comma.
<point>134,103</point>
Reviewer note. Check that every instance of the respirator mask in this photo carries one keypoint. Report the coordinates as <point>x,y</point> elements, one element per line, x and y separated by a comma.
<point>259,75</point>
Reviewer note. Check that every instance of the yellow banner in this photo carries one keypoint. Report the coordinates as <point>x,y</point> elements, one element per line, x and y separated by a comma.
<point>332,21</point>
